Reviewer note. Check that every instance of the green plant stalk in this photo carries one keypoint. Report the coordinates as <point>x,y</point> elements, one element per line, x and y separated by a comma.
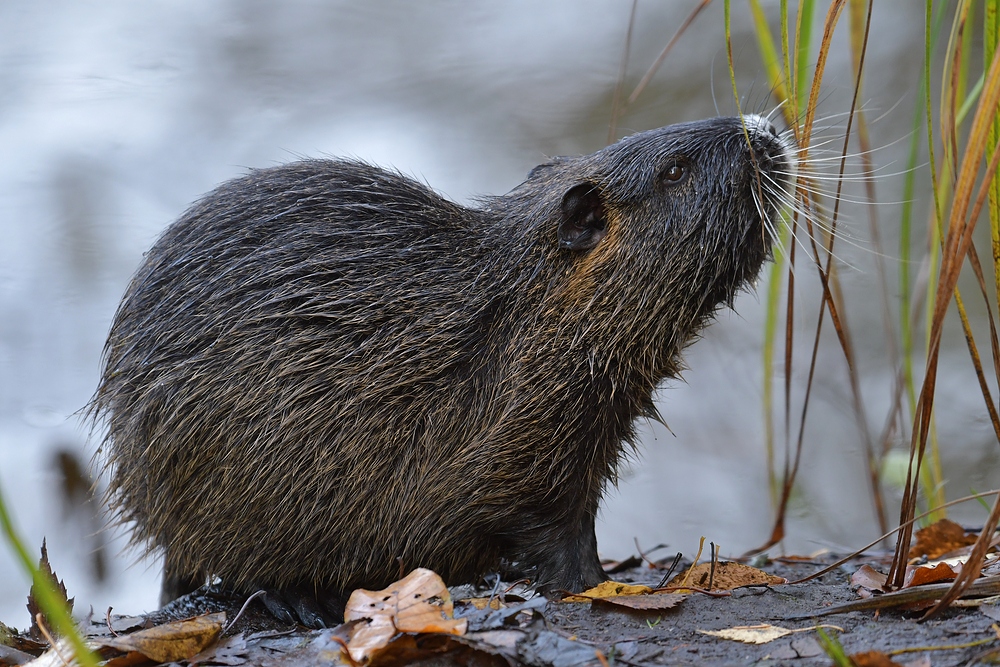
<point>786,68</point>
<point>774,283</point>
<point>963,74</point>
<point>777,73</point>
<point>831,646</point>
<point>954,255</point>
<point>932,475</point>
<point>768,54</point>
<point>991,30</point>
<point>729,53</point>
<point>932,492</point>
<point>49,599</point>
<point>905,236</point>
<point>803,42</point>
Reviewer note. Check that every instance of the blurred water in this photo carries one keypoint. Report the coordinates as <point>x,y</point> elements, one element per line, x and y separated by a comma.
<point>115,115</point>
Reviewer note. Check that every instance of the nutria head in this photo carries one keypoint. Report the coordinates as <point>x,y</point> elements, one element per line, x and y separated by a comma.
<point>649,236</point>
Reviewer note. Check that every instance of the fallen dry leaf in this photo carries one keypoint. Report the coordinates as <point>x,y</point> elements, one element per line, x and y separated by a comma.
<point>640,602</point>
<point>34,608</point>
<point>750,634</point>
<point>915,576</point>
<point>417,603</point>
<point>129,659</point>
<point>728,575</point>
<point>403,649</point>
<point>939,538</point>
<point>230,651</point>
<point>873,659</point>
<point>866,580</point>
<point>482,603</point>
<point>628,596</point>
<point>171,642</point>
<point>608,589</point>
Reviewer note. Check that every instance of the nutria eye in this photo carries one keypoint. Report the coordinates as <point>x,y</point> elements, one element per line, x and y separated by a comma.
<point>674,174</point>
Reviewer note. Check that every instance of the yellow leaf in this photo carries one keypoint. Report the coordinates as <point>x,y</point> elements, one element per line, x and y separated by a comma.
<point>750,634</point>
<point>608,589</point>
<point>172,642</point>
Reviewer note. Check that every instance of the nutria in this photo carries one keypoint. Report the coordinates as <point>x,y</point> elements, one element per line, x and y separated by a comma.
<point>324,373</point>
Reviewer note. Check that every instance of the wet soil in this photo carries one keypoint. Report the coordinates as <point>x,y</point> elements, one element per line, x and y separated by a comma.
<point>536,631</point>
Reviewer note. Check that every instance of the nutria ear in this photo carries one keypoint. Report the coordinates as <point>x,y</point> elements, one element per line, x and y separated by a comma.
<point>546,166</point>
<point>583,222</point>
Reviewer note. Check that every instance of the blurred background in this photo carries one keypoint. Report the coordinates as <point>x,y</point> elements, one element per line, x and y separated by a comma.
<point>116,115</point>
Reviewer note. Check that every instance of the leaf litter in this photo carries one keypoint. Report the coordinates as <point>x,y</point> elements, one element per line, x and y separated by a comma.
<point>506,629</point>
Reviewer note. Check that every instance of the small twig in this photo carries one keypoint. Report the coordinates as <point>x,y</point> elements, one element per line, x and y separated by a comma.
<point>663,54</point>
<point>670,570</point>
<point>53,644</point>
<point>493,593</point>
<point>643,554</point>
<point>246,604</point>
<point>697,557</point>
<point>523,581</point>
<point>107,619</point>
<point>711,567</point>
<point>616,100</point>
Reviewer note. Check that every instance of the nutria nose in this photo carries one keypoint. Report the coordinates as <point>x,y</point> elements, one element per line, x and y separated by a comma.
<point>760,124</point>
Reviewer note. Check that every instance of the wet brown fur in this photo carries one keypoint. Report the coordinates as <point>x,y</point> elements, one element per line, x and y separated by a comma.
<point>325,370</point>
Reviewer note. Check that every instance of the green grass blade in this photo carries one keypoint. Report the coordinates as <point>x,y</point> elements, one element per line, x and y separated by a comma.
<point>768,54</point>
<point>803,42</point>
<point>49,599</point>
<point>991,30</point>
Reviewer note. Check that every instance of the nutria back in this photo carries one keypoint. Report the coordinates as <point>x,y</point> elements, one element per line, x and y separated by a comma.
<point>324,372</point>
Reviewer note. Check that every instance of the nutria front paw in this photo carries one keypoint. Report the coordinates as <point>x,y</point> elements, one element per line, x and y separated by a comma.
<point>298,606</point>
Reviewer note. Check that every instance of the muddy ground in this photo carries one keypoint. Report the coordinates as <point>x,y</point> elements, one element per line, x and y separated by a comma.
<point>542,632</point>
<point>675,638</point>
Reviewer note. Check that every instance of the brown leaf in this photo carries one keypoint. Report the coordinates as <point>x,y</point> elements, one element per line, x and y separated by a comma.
<point>940,538</point>
<point>608,589</point>
<point>405,649</point>
<point>915,576</point>
<point>417,603</point>
<point>127,660</point>
<point>873,659</point>
<point>171,642</point>
<point>866,580</point>
<point>34,608</point>
<point>728,575</point>
<point>231,651</point>
<point>648,602</point>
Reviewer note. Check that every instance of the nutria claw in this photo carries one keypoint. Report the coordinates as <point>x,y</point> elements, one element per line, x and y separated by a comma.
<point>299,607</point>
